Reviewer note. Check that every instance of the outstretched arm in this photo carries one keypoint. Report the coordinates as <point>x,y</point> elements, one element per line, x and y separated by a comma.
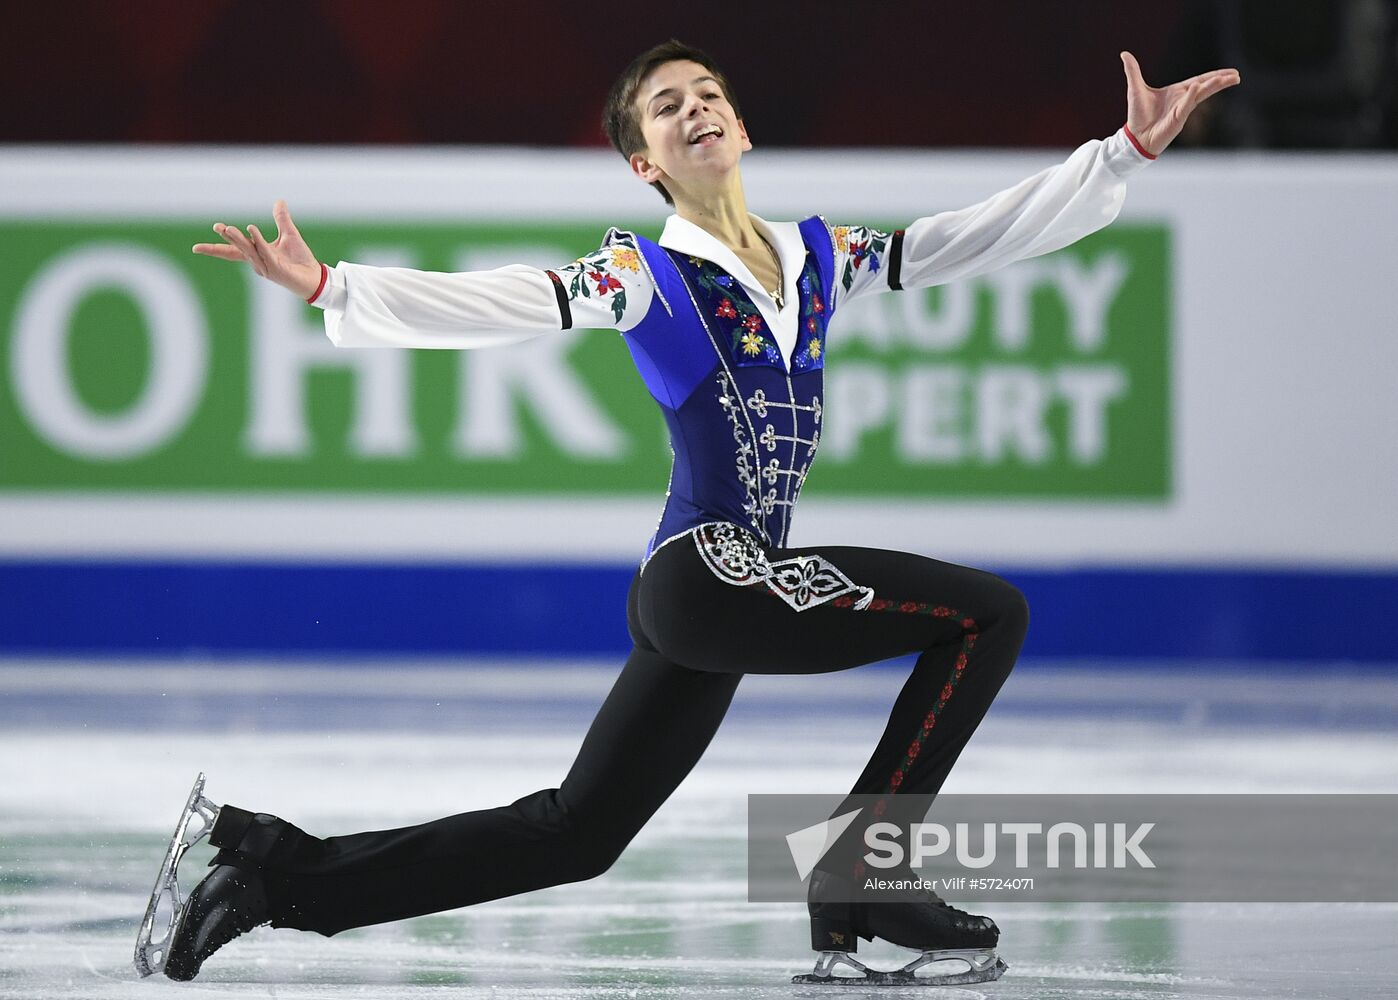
<point>367,306</point>
<point>1046,212</point>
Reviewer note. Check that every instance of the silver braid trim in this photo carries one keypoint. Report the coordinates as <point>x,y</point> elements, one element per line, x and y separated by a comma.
<point>802,582</point>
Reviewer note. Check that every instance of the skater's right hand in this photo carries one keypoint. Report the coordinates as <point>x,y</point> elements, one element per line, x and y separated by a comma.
<point>286,261</point>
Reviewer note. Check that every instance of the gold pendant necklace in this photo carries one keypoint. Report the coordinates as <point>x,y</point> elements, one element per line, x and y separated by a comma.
<point>776,293</point>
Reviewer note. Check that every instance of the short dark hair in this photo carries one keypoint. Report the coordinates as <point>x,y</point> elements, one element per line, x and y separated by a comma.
<point>619,118</point>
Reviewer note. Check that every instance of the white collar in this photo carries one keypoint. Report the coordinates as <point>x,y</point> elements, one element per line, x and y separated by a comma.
<point>785,237</point>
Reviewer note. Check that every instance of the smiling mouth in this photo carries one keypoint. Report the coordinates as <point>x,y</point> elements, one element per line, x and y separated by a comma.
<point>707,135</point>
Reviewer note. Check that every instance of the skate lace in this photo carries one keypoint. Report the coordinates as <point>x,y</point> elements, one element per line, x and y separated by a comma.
<point>930,896</point>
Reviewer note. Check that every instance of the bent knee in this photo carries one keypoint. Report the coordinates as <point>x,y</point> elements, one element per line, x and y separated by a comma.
<point>589,847</point>
<point>594,861</point>
<point>1009,608</point>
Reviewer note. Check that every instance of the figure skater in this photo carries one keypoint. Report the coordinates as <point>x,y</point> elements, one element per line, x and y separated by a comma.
<point>727,317</point>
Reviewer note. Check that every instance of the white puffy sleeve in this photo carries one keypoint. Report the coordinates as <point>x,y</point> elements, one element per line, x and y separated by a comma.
<point>367,306</point>
<point>1046,212</point>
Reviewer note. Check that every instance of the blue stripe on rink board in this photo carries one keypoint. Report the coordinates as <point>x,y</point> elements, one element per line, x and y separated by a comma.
<point>211,608</point>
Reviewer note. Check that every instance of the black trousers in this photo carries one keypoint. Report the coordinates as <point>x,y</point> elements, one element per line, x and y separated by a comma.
<point>700,621</point>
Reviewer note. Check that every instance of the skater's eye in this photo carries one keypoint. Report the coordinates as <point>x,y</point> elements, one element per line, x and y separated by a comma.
<point>667,107</point>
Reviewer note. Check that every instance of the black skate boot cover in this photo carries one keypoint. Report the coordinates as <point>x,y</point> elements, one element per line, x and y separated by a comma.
<point>227,903</point>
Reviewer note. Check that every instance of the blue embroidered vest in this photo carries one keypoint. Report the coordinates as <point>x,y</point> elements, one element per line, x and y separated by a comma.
<point>744,429</point>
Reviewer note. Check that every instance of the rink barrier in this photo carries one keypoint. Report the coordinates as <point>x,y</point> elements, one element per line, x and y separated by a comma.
<point>180,609</point>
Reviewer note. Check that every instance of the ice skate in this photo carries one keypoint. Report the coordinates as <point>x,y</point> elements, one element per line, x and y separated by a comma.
<point>957,948</point>
<point>229,902</point>
<point>176,934</point>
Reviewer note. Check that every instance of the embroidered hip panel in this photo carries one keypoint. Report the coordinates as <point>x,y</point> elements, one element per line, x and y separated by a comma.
<point>802,582</point>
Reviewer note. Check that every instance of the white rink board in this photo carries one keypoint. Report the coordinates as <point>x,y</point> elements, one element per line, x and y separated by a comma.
<point>1285,339</point>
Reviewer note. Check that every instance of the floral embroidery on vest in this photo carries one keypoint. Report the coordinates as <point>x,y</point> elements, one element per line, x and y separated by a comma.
<point>742,327</point>
<point>810,332</point>
<point>739,324</point>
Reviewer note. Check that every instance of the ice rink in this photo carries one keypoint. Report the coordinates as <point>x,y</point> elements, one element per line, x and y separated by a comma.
<point>99,757</point>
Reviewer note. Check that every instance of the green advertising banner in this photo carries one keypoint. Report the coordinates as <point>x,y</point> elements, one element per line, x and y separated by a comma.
<point>132,364</point>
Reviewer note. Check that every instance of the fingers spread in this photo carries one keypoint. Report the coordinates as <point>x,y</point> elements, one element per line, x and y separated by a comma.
<point>261,248</point>
<point>233,236</point>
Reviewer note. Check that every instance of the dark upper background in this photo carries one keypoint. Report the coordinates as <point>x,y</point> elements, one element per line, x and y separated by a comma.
<point>1317,73</point>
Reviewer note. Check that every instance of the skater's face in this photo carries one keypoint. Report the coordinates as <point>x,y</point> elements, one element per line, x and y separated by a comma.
<point>693,137</point>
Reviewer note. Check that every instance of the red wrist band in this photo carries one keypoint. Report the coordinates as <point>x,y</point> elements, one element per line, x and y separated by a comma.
<point>1137,143</point>
<point>324,274</point>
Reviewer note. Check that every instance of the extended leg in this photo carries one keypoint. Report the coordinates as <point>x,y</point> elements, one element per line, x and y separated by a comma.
<point>649,733</point>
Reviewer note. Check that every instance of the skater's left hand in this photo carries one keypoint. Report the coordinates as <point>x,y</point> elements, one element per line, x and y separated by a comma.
<point>1156,115</point>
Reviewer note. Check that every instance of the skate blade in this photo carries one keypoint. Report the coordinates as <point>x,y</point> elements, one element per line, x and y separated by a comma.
<point>166,908</point>
<point>982,966</point>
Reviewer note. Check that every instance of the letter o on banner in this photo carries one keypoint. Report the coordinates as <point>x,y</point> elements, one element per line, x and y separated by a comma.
<point>39,355</point>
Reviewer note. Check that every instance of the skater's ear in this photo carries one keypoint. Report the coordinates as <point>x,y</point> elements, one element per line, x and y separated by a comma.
<point>644,167</point>
<point>743,131</point>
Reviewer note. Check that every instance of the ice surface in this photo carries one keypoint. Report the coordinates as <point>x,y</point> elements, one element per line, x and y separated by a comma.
<point>98,759</point>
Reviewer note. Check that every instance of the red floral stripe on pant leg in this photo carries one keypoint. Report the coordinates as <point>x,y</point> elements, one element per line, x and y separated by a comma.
<point>969,632</point>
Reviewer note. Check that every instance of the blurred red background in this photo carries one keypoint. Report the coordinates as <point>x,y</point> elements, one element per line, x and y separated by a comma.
<point>428,71</point>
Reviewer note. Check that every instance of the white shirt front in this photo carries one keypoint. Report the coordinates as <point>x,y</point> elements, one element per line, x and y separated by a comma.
<point>785,238</point>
